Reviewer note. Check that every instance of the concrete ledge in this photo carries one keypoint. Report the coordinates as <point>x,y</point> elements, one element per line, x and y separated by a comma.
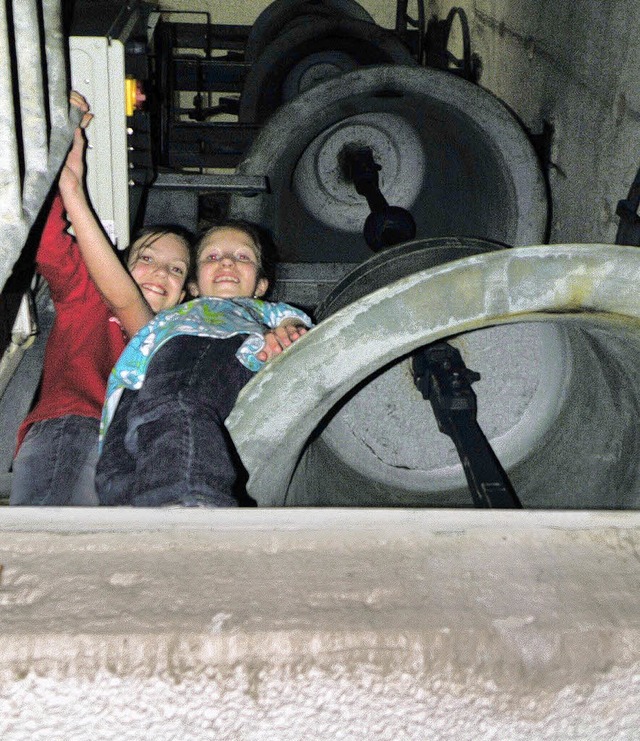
<point>289,624</point>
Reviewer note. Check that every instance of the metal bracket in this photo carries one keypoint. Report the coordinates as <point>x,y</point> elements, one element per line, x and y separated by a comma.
<point>443,378</point>
<point>436,47</point>
<point>629,228</point>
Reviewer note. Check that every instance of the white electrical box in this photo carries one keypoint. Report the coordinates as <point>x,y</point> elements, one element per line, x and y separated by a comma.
<point>98,73</point>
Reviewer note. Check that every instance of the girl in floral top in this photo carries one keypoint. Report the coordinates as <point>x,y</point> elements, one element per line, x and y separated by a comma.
<point>163,435</point>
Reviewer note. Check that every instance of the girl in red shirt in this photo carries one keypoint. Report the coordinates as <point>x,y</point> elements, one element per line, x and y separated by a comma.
<point>58,441</point>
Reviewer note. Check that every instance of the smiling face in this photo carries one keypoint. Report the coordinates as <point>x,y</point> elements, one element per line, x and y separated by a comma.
<point>228,265</point>
<point>159,264</point>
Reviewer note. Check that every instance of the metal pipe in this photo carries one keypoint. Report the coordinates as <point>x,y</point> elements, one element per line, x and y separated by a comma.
<point>32,106</point>
<point>13,230</point>
<point>55,45</point>
<point>36,126</point>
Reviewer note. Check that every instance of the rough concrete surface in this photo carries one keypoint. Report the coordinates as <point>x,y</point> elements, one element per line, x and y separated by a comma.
<point>314,624</point>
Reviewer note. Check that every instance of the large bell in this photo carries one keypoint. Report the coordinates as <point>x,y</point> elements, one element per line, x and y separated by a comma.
<point>282,15</point>
<point>308,54</point>
<point>554,332</point>
<point>448,151</point>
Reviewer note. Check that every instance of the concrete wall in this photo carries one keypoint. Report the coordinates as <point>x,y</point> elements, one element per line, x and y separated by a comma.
<point>319,624</point>
<point>573,65</point>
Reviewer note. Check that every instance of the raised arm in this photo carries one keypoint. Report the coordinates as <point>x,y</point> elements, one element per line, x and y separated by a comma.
<point>113,281</point>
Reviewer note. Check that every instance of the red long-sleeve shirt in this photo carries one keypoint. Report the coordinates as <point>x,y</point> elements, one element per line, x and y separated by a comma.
<point>85,340</point>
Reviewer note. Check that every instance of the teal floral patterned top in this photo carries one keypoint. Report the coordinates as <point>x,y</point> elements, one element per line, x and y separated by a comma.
<point>203,317</point>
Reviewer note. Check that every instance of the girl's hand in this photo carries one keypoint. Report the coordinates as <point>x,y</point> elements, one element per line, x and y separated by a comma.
<point>278,339</point>
<point>80,102</point>
<point>72,173</point>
